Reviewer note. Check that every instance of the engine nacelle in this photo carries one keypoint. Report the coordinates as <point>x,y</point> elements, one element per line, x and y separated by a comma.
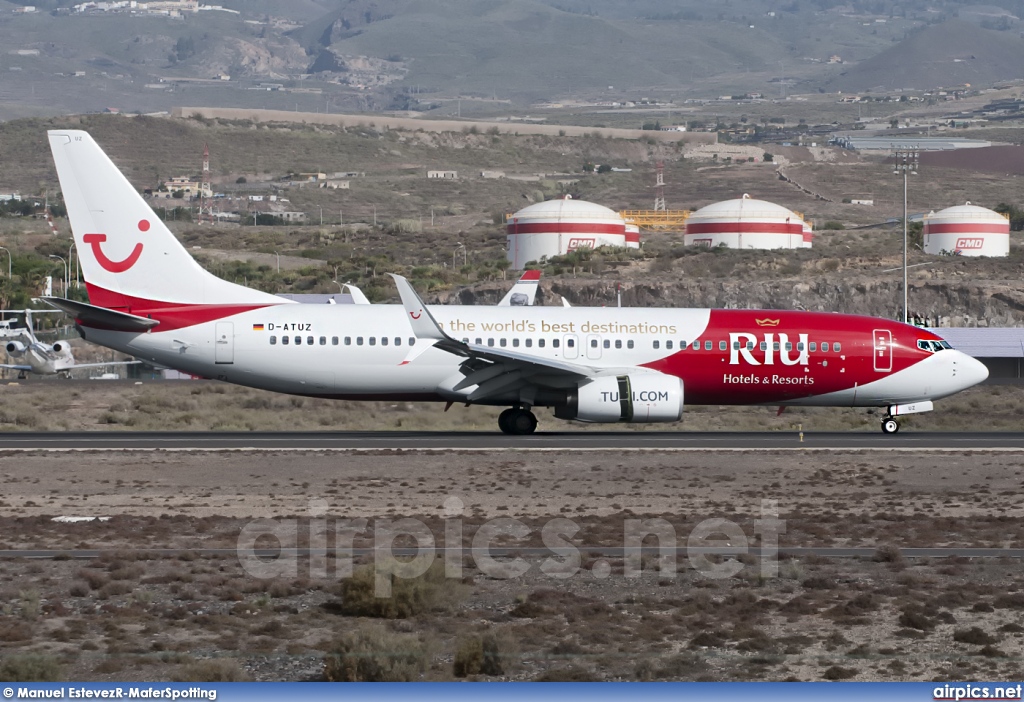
<point>15,348</point>
<point>61,347</point>
<point>641,397</point>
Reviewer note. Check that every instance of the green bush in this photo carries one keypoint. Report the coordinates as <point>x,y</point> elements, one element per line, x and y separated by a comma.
<point>482,655</point>
<point>29,667</point>
<point>409,596</point>
<point>376,655</point>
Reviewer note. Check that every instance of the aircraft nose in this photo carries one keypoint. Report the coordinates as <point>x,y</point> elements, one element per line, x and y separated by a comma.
<point>967,370</point>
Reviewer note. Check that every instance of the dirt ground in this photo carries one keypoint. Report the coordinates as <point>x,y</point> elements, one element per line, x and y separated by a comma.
<point>140,615</point>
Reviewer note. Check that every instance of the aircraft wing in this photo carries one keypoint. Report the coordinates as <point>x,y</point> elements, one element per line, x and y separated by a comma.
<point>492,370</point>
<point>15,367</point>
<point>523,292</point>
<point>100,365</point>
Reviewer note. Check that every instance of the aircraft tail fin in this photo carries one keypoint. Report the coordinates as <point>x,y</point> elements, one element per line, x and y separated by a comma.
<point>524,292</point>
<point>129,257</point>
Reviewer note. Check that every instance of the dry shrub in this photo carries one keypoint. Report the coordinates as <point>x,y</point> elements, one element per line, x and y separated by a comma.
<point>570,674</point>
<point>29,667</point>
<point>212,670</point>
<point>13,630</point>
<point>975,636</point>
<point>94,578</point>
<point>374,654</point>
<point>427,592</point>
<point>889,553</point>
<point>489,654</point>
<point>838,672</point>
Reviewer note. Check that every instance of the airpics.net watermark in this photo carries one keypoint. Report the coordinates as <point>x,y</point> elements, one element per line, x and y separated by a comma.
<point>406,548</point>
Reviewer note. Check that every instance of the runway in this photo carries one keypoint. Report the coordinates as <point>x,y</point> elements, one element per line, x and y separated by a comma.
<point>487,441</point>
<point>500,552</point>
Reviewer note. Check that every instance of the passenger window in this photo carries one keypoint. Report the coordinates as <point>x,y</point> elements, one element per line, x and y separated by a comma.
<point>515,343</point>
<point>607,344</point>
<point>529,343</point>
<point>750,346</point>
<point>490,342</point>
<point>668,344</point>
<point>618,343</point>
<point>629,344</point>
<point>722,346</point>
<point>412,341</point>
<point>284,340</point>
<point>373,341</point>
<point>298,341</point>
<point>383,341</point>
<point>800,346</point>
<point>814,346</point>
<point>789,346</point>
<point>359,341</point>
<point>707,346</point>
<point>502,342</point>
<point>837,347</point>
<point>824,346</point>
<point>309,340</point>
<point>348,341</point>
<point>695,345</point>
<point>479,341</point>
<point>593,343</point>
<point>764,345</point>
<point>775,346</point>
<point>735,346</point>
<point>569,342</point>
<point>273,341</point>
<point>398,341</point>
<point>656,343</point>
<point>540,343</point>
<point>323,341</point>
<point>465,341</point>
<point>334,341</point>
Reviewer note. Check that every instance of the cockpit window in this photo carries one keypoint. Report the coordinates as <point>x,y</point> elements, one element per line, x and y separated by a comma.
<point>932,346</point>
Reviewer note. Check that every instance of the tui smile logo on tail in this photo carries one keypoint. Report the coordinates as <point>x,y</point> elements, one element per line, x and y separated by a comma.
<point>95,240</point>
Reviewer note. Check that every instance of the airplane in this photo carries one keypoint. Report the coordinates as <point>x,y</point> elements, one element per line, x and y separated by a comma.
<point>150,298</point>
<point>42,358</point>
<point>524,292</point>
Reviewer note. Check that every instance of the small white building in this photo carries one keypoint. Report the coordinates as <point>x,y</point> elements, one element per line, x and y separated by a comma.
<point>967,230</point>
<point>442,175</point>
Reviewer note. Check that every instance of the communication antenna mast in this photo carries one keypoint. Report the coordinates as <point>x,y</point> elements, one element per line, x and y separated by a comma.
<point>205,189</point>
<point>659,187</point>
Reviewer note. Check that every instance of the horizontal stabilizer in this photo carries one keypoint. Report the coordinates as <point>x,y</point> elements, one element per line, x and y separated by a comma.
<point>100,317</point>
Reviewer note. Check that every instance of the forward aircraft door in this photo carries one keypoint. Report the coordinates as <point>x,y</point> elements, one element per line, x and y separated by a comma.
<point>882,350</point>
<point>593,347</point>
<point>224,348</point>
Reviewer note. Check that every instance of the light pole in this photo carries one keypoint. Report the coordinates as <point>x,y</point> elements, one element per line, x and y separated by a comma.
<point>455,253</point>
<point>278,261</point>
<point>9,257</point>
<point>906,163</point>
<point>70,249</point>
<point>321,215</point>
<point>65,264</point>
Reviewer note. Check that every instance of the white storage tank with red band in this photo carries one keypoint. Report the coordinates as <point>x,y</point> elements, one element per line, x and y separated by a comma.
<point>967,230</point>
<point>746,223</point>
<point>558,227</point>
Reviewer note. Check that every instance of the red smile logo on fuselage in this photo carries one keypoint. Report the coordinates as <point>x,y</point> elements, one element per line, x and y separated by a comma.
<point>95,240</point>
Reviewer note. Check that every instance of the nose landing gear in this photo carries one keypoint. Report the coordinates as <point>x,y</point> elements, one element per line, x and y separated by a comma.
<point>890,425</point>
<point>517,421</point>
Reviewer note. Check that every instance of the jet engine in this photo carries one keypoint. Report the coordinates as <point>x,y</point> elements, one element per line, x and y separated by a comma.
<point>61,347</point>
<point>639,397</point>
<point>15,348</point>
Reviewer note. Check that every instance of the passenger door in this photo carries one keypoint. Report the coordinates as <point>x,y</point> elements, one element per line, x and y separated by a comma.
<point>570,348</point>
<point>593,347</point>
<point>882,344</point>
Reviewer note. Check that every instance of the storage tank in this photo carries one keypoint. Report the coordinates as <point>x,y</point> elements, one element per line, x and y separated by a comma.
<point>558,227</point>
<point>967,230</point>
<point>746,223</point>
<point>632,236</point>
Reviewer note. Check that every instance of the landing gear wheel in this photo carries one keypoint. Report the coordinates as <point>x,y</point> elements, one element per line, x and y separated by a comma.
<point>890,426</point>
<point>517,421</point>
<point>503,420</point>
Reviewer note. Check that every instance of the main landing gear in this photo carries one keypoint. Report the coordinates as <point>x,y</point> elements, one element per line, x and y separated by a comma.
<point>889,425</point>
<point>517,420</point>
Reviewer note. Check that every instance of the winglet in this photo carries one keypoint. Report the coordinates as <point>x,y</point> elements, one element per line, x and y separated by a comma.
<point>423,324</point>
<point>358,297</point>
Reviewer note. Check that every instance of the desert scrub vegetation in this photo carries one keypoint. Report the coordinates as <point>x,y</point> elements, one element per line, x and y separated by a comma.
<point>410,596</point>
<point>375,654</point>
<point>486,654</point>
<point>29,667</point>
